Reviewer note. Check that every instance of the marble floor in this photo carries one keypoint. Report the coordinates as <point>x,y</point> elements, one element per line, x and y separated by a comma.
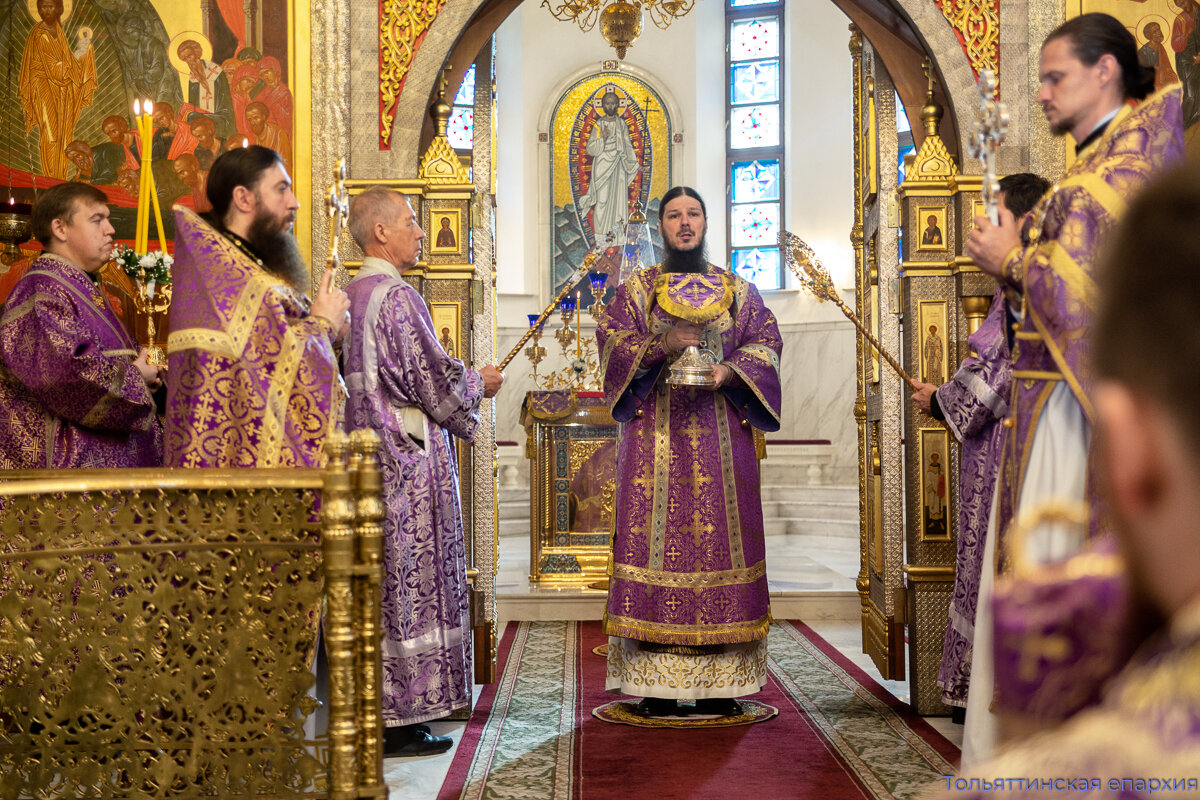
<point>811,579</point>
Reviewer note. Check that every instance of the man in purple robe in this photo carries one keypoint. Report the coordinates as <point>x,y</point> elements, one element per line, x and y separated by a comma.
<point>688,607</point>
<point>972,404</point>
<point>418,399</point>
<point>75,390</point>
<point>1089,76</point>
<point>1143,739</point>
<point>252,379</point>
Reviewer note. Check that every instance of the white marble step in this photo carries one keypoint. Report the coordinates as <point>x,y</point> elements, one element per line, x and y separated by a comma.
<point>810,494</point>
<point>811,509</point>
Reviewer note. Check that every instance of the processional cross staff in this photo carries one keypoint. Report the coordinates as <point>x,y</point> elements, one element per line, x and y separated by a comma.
<point>987,132</point>
<point>337,203</point>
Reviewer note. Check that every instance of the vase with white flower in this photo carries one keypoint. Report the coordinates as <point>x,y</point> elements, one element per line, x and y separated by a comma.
<point>151,272</point>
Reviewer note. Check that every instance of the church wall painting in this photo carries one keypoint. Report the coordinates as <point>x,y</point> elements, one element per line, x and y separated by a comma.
<point>609,147</point>
<point>73,69</point>
<point>1168,39</point>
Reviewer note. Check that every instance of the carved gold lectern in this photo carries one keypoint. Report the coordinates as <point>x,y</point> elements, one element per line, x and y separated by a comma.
<point>571,443</point>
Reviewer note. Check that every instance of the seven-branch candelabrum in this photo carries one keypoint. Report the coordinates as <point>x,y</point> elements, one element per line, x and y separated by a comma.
<point>814,278</point>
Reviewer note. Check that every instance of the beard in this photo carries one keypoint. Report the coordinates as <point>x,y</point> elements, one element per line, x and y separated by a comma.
<point>694,260</point>
<point>278,250</point>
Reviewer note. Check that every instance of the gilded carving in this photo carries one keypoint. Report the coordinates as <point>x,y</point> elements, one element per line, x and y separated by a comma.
<point>977,25</point>
<point>402,26</point>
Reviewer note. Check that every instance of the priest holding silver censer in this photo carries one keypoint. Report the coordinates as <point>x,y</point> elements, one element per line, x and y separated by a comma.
<point>690,364</point>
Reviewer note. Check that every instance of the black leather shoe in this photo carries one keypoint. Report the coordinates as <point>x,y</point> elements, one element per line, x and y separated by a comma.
<point>408,741</point>
<point>656,707</point>
<point>720,706</point>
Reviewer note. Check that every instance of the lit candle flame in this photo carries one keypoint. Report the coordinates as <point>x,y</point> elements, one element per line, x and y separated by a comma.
<point>137,107</point>
<point>245,142</point>
<point>148,106</point>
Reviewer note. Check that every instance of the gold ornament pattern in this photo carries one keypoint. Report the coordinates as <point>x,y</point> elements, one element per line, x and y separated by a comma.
<point>977,25</point>
<point>402,26</point>
<point>157,631</point>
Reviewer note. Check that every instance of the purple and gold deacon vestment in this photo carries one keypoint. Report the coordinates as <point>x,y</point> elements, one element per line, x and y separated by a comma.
<point>70,396</point>
<point>1054,275</point>
<point>688,558</point>
<point>973,402</point>
<point>418,399</point>
<point>252,378</point>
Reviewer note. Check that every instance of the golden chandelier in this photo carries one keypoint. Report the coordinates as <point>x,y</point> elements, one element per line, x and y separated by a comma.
<point>620,20</point>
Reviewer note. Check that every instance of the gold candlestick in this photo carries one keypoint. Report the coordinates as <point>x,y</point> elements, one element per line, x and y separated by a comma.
<point>151,299</point>
<point>535,352</point>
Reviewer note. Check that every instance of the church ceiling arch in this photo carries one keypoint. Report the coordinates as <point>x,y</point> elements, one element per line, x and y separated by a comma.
<point>903,31</point>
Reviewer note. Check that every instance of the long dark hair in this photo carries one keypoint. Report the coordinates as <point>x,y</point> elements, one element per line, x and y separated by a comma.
<point>1095,35</point>
<point>680,191</point>
<point>243,166</point>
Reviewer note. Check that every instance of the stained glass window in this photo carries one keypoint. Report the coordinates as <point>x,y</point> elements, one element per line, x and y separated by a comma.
<point>757,37</point>
<point>754,126</point>
<point>755,82</point>
<point>460,130</point>
<point>755,181</point>
<point>760,266</point>
<point>755,224</point>
<point>754,108</point>
<point>466,92</point>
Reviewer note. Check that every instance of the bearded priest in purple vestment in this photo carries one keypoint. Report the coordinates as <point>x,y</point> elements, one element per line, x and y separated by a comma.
<point>252,378</point>
<point>972,404</point>
<point>419,400</point>
<point>1142,739</point>
<point>1090,82</point>
<point>75,389</point>
<point>688,607</point>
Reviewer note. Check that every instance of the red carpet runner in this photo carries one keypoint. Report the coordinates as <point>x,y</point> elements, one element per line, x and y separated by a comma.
<point>839,735</point>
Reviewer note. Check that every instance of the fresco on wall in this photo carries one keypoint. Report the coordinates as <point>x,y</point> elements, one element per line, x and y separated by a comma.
<point>609,147</point>
<point>73,69</point>
<point>1168,40</point>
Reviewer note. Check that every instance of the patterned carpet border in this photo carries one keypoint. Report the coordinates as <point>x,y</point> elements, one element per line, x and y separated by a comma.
<point>621,712</point>
<point>523,741</point>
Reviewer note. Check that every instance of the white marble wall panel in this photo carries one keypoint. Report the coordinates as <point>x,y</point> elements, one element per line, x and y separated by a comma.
<point>818,389</point>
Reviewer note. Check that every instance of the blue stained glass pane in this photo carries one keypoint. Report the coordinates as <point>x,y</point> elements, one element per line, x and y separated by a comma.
<point>740,3</point>
<point>755,181</point>
<point>755,82</point>
<point>460,131</point>
<point>754,38</point>
<point>754,126</point>
<point>755,224</point>
<point>760,266</point>
<point>466,92</point>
